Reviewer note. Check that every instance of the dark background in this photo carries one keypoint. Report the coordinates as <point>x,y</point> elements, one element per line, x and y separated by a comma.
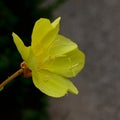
<point>20,100</point>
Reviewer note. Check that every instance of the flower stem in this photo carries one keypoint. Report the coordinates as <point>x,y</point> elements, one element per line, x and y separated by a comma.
<point>17,73</point>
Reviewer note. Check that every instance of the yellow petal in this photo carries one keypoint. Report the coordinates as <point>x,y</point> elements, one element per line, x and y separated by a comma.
<point>53,84</point>
<point>43,35</point>
<point>68,65</point>
<point>24,51</point>
<point>60,46</point>
<point>56,23</point>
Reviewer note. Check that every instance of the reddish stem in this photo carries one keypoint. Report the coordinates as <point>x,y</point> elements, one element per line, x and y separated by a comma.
<point>17,73</point>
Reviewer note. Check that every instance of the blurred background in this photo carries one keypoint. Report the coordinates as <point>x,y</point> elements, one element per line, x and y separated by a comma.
<point>95,26</point>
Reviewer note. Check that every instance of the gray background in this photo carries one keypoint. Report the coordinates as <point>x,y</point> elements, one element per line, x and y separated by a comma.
<point>95,26</point>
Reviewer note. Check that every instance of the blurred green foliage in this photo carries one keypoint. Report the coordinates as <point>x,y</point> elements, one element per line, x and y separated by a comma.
<point>20,100</point>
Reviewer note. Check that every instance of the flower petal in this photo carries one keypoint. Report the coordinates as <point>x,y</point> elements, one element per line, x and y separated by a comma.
<point>56,22</point>
<point>53,84</point>
<point>24,51</point>
<point>44,34</point>
<point>67,65</point>
<point>60,46</point>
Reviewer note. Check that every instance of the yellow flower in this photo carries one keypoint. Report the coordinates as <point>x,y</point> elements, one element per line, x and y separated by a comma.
<point>52,58</point>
